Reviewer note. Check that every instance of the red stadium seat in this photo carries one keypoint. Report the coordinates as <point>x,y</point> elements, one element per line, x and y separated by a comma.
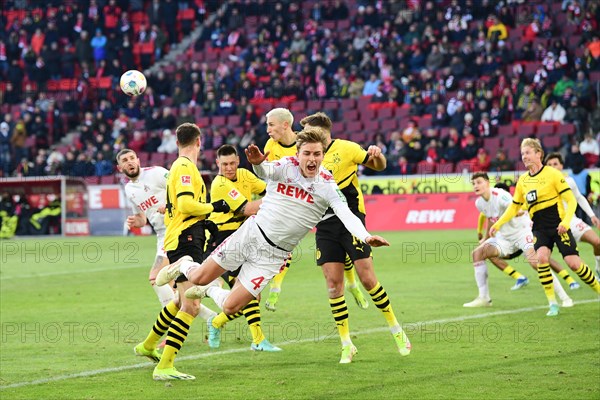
<point>426,167</point>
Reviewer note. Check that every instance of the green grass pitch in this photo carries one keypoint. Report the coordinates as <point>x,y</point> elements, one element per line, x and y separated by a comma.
<point>71,311</point>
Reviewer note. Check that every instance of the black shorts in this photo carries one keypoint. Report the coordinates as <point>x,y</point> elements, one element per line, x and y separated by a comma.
<point>190,243</point>
<point>334,242</point>
<point>215,240</point>
<point>548,237</point>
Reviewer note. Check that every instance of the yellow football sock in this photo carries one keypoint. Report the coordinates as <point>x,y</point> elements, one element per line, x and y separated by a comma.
<point>176,335</point>
<point>252,314</point>
<point>340,315</point>
<point>586,275</point>
<point>278,279</point>
<point>349,272</point>
<point>545,277</point>
<point>510,271</point>
<point>565,275</point>
<point>161,325</point>
<point>382,301</point>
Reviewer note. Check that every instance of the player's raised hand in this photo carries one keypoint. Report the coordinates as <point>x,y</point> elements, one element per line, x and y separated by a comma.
<point>377,241</point>
<point>254,155</point>
<point>373,151</point>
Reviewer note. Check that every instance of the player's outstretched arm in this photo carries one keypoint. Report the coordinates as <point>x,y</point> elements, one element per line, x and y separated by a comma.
<point>254,155</point>
<point>377,160</point>
<point>377,241</point>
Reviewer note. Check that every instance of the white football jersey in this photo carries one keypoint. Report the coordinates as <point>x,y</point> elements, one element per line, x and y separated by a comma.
<point>581,200</point>
<point>493,209</point>
<point>147,193</point>
<point>294,204</point>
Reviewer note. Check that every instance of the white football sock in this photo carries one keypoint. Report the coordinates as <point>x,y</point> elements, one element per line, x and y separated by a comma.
<point>558,289</point>
<point>185,267</point>
<point>481,277</point>
<point>218,294</point>
<point>164,293</point>
<point>206,313</point>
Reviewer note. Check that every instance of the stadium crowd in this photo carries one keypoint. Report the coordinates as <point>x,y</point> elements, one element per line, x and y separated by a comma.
<point>461,71</point>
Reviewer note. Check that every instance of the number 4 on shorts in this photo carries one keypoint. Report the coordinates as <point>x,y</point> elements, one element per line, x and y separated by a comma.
<point>257,281</point>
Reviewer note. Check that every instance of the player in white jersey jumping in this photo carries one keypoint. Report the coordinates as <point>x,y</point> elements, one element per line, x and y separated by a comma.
<point>299,191</point>
<point>146,191</point>
<point>582,232</point>
<point>513,236</point>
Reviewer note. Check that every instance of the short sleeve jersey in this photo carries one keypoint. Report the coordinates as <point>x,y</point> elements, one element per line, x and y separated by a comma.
<point>236,194</point>
<point>542,193</point>
<point>147,193</point>
<point>184,180</point>
<point>278,150</point>
<point>342,158</point>
<point>494,208</point>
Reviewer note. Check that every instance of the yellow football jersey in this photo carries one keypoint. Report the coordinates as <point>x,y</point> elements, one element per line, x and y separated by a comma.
<point>342,159</point>
<point>542,193</point>
<point>184,180</point>
<point>235,193</point>
<point>278,151</point>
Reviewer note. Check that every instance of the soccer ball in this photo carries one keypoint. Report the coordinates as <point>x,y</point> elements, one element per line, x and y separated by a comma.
<point>133,83</point>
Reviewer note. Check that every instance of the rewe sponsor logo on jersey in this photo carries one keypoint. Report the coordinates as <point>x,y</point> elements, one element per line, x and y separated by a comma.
<point>149,202</point>
<point>294,191</point>
<point>430,216</point>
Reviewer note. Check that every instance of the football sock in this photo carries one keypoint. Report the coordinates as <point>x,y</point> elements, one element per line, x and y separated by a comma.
<point>586,275</point>
<point>510,271</point>
<point>218,294</point>
<point>176,335</point>
<point>164,293</point>
<point>559,291</point>
<point>382,301</point>
<point>206,313</point>
<point>340,315</point>
<point>278,279</point>
<point>565,275</point>
<point>349,272</point>
<point>481,277</point>
<point>252,314</point>
<point>165,317</point>
<point>545,277</point>
<point>221,319</point>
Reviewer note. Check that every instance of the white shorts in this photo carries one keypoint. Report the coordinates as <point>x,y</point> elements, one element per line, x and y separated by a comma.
<point>508,246</point>
<point>160,246</point>
<point>579,228</point>
<point>248,247</point>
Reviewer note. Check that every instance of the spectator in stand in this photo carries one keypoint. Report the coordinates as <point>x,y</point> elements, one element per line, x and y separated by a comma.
<point>371,85</point>
<point>102,166</point>
<point>577,115</point>
<point>152,143</point>
<point>590,149</point>
<point>137,142</point>
<point>169,143</point>
<point>184,115</point>
<point>440,118</point>
<point>496,30</point>
<point>411,132</point>
<point>484,129</point>
<point>562,85</point>
<point>554,113</point>
<point>167,120</point>
<point>414,152</point>
<point>582,89</point>
<point>404,167</point>
<point>98,44</point>
<point>452,153</point>
<point>501,162</point>
<point>482,161</point>
<point>469,146</point>
<point>533,112</point>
